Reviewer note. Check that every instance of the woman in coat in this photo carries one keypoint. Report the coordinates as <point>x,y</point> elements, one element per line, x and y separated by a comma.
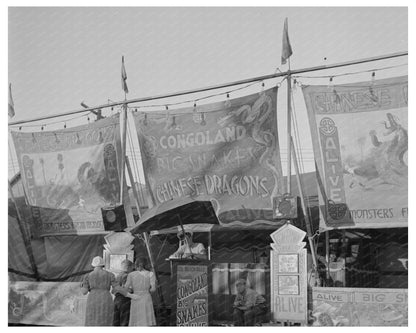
<point>141,282</point>
<point>97,285</point>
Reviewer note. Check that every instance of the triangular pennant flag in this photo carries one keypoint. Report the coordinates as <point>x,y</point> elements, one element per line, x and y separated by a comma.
<point>123,77</point>
<point>286,47</point>
<point>11,103</point>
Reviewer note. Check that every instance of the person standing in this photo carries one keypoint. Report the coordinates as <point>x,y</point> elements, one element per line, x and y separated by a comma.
<point>97,285</point>
<point>122,303</point>
<point>141,282</point>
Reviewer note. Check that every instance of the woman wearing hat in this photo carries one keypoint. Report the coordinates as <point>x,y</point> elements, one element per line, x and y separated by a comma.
<point>97,285</point>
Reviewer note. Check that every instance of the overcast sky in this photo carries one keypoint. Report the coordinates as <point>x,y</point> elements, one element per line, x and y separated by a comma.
<point>59,57</point>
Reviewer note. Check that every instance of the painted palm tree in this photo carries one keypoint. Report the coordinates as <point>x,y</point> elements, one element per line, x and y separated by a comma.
<point>42,162</point>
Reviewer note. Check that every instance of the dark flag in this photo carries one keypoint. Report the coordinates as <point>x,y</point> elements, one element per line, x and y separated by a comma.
<point>286,47</point>
<point>124,77</point>
<point>11,103</point>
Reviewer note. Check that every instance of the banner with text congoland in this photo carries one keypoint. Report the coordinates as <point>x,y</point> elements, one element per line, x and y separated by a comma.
<point>69,175</point>
<point>360,138</point>
<point>224,152</point>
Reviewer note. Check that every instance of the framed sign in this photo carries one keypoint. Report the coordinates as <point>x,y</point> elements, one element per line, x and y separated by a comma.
<point>116,261</point>
<point>288,263</point>
<point>288,276</point>
<point>193,286</point>
<point>113,260</point>
<point>288,284</point>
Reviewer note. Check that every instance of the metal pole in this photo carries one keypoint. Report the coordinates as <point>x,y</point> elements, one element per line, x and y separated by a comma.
<point>123,153</point>
<point>224,85</point>
<point>302,200</point>
<point>26,241</point>
<point>289,136</point>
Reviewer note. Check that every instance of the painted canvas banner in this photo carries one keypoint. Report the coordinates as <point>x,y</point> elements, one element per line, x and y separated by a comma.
<point>360,138</point>
<point>359,307</point>
<point>69,175</point>
<point>192,295</point>
<point>228,154</point>
<point>46,303</point>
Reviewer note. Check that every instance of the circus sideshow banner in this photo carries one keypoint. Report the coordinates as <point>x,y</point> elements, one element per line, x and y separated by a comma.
<point>46,303</point>
<point>224,152</point>
<point>360,134</point>
<point>192,295</point>
<point>69,175</point>
<point>359,307</point>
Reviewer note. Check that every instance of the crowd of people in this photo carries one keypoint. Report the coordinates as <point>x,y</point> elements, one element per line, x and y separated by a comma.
<point>132,304</point>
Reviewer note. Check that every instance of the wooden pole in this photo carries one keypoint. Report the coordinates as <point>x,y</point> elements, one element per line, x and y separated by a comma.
<point>289,135</point>
<point>302,199</point>
<point>145,235</point>
<point>133,185</point>
<point>136,198</point>
<point>219,86</point>
<point>123,153</point>
<point>26,240</point>
<point>209,244</point>
<point>327,254</point>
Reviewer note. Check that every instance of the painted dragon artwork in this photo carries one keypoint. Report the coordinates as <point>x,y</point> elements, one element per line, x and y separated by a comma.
<point>386,162</point>
<point>254,117</point>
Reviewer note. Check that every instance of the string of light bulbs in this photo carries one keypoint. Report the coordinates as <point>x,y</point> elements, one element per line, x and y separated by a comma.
<point>44,125</point>
<point>347,73</point>
<point>227,93</point>
<point>195,100</point>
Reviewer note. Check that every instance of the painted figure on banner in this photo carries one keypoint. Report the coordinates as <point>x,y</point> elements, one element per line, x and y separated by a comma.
<point>386,160</point>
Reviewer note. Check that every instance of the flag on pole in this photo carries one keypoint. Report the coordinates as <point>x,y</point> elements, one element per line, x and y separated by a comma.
<point>123,77</point>
<point>286,47</point>
<point>11,103</point>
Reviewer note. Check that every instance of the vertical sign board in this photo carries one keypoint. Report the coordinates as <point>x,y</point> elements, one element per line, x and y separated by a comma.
<point>360,139</point>
<point>288,275</point>
<point>192,293</point>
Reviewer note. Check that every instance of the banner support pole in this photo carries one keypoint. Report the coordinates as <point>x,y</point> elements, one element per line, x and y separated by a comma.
<point>302,200</point>
<point>289,136</point>
<point>145,235</point>
<point>328,275</point>
<point>123,153</point>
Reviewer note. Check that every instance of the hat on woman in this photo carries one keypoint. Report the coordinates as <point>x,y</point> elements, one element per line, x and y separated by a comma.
<point>97,261</point>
